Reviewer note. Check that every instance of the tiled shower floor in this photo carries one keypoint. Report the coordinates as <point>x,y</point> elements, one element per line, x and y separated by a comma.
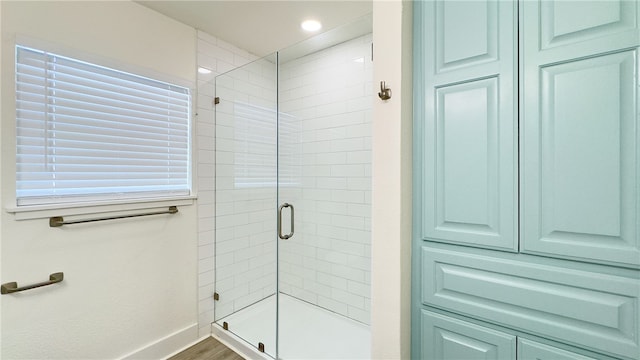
<point>306,331</point>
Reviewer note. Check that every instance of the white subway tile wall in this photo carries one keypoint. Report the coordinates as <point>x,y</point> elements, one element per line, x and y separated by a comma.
<point>325,171</point>
<point>246,192</point>
<point>219,57</point>
<point>326,113</point>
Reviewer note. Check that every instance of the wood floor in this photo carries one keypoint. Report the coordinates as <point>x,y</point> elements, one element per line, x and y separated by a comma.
<point>207,349</point>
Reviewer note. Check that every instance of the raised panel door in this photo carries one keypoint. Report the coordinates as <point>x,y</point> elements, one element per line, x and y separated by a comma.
<point>446,338</point>
<point>587,306</point>
<point>469,124</point>
<point>561,179</point>
<point>532,350</point>
<point>579,131</point>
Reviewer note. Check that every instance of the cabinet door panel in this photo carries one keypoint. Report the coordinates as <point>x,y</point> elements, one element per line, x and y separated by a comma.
<point>466,33</point>
<point>570,22</point>
<point>580,137</point>
<point>447,338</point>
<point>586,308</point>
<point>531,350</point>
<point>469,124</point>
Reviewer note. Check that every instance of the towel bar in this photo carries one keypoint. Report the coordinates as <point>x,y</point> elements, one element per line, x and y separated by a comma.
<point>58,221</point>
<point>11,287</point>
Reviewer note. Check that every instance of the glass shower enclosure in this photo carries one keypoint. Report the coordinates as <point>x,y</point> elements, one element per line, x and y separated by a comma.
<point>293,199</point>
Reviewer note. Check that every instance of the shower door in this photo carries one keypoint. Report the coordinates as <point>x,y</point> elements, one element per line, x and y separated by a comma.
<point>246,200</point>
<point>293,199</point>
<point>324,194</point>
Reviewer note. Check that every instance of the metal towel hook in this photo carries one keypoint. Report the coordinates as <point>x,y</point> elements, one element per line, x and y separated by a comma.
<point>385,92</point>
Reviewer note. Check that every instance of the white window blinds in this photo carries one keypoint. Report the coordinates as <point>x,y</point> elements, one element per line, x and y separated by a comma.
<point>89,133</point>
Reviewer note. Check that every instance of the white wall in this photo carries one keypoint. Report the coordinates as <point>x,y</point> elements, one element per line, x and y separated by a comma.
<point>88,311</point>
<point>392,148</point>
<point>325,166</point>
<point>130,285</point>
<point>1,182</point>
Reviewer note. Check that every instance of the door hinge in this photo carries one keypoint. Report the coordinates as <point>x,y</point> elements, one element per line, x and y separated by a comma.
<point>261,347</point>
<point>216,100</point>
<point>225,325</point>
<point>216,296</point>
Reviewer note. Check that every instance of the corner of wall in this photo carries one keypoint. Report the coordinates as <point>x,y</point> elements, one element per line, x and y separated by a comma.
<point>1,187</point>
<point>392,193</point>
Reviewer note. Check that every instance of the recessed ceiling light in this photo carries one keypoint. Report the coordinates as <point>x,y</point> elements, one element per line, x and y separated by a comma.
<point>202,70</point>
<point>311,25</point>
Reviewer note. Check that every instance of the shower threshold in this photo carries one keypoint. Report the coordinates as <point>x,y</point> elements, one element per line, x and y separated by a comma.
<point>306,331</point>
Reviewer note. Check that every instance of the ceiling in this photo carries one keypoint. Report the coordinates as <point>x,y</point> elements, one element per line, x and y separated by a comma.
<point>260,27</point>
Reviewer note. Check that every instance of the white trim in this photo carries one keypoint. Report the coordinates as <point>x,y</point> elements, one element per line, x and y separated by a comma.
<point>164,347</point>
<point>391,202</point>
<point>45,211</point>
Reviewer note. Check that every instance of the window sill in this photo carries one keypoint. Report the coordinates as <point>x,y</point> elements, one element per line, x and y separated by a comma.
<point>47,211</point>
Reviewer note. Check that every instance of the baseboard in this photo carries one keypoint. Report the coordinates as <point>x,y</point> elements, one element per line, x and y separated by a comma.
<point>166,346</point>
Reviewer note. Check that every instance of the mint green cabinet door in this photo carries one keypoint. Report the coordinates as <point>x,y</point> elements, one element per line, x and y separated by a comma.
<point>447,338</point>
<point>580,146</point>
<point>468,121</point>
<point>531,350</point>
<point>590,308</point>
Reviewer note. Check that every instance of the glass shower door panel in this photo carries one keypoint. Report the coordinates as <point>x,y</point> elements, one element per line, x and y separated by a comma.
<point>324,171</point>
<point>246,197</point>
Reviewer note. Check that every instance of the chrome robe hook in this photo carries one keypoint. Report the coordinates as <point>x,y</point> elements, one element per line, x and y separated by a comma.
<point>385,92</point>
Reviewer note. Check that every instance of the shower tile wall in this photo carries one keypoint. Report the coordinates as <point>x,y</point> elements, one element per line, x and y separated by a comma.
<point>335,270</point>
<point>219,57</point>
<point>246,192</point>
<point>325,167</point>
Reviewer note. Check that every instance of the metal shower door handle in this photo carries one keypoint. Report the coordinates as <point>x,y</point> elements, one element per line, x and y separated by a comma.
<point>289,235</point>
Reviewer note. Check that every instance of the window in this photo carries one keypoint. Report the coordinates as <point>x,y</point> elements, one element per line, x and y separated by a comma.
<point>90,133</point>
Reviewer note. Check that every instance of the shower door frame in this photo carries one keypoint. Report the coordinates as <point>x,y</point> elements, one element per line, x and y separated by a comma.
<point>239,191</point>
<point>285,208</point>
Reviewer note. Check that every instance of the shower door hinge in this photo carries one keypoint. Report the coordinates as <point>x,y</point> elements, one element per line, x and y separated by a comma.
<point>225,325</point>
<point>261,347</point>
<point>216,100</point>
<point>216,296</point>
